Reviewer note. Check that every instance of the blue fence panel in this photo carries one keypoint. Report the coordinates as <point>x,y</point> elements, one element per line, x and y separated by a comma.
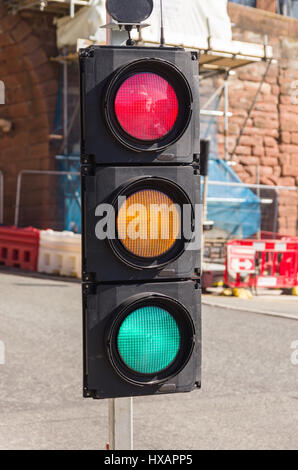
<point>235,210</point>
<point>248,3</point>
<point>70,195</point>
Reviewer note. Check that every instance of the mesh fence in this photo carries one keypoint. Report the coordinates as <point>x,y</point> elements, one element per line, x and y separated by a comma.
<point>49,200</point>
<point>262,212</point>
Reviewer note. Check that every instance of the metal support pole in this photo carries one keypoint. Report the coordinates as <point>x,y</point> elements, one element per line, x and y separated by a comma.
<point>72,9</point>
<point>121,424</point>
<point>275,220</point>
<point>226,115</point>
<point>258,177</point>
<point>114,37</point>
<point>120,409</point>
<point>65,105</point>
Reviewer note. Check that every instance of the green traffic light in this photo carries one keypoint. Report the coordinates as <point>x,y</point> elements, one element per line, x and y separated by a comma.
<point>148,340</point>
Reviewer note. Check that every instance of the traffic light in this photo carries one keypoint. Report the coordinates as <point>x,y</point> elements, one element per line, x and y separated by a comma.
<point>140,150</point>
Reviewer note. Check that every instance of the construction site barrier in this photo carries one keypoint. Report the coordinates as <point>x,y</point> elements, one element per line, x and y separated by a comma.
<point>19,247</point>
<point>262,263</point>
<point>60,253</point>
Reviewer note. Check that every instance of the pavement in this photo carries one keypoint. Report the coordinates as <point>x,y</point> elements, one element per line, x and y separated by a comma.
<point>249,396</point>
<point>269,303</point>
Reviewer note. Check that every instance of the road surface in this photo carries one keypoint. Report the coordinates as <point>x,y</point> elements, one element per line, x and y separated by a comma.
<point>249,398</point>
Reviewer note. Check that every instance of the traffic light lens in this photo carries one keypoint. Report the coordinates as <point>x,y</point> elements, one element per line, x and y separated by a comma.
<point>148,223</point>
<point>146,106</point>
<point>148,340</point>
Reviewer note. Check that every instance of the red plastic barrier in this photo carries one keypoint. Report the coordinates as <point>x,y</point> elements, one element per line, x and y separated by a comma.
<point>19,247</point>
<point>262,263</point>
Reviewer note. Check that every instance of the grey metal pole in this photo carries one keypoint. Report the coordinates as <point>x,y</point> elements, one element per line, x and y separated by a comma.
<point>65,105</point>
<point>258,177</point>
<point>120,409</point>
<point>18,197</point>
<point>121,424</point>
<point>275,221</point>
<point>114,37</point>
<point>226,115</point>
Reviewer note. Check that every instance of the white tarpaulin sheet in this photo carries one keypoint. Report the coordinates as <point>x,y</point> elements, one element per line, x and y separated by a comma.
<point>86,25</point>
<point>187,22</point>
<point>190,22</point>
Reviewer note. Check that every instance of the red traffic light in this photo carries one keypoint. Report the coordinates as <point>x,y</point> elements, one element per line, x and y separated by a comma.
<point>146,106</point>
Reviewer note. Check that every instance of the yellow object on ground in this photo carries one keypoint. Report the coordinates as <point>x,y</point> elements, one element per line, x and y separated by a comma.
<point>237,292</point>
<point>227,292</point>
<point>242,293</point>
<point>218,284</point>
<point>295,291</point>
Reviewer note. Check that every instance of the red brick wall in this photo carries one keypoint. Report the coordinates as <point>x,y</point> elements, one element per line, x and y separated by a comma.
<point>31,81</point>
<point>269,5</point>
<point>270,139</point>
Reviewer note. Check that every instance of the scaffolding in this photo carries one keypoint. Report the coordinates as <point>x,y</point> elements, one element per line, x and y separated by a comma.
<point>57,7</point>
<point>218,58</point>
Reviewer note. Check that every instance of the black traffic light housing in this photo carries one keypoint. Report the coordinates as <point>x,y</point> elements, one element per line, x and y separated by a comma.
<point>106,260</point>
<point>103,70</point>
<point>104,374</point>
<point>130,298</point>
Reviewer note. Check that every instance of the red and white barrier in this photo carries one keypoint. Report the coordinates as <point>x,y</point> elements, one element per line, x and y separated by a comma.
<point>44,251</point>
<point>262,263</point>
<point>19,247</point>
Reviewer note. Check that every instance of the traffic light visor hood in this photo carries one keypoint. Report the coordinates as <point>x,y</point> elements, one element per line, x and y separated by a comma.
<point>148,105</point>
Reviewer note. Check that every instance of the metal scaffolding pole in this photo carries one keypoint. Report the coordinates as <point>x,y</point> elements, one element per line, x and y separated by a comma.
<point>226,115</point>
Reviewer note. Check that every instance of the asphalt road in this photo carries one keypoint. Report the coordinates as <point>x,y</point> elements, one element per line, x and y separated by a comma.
<point>249,398</point>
